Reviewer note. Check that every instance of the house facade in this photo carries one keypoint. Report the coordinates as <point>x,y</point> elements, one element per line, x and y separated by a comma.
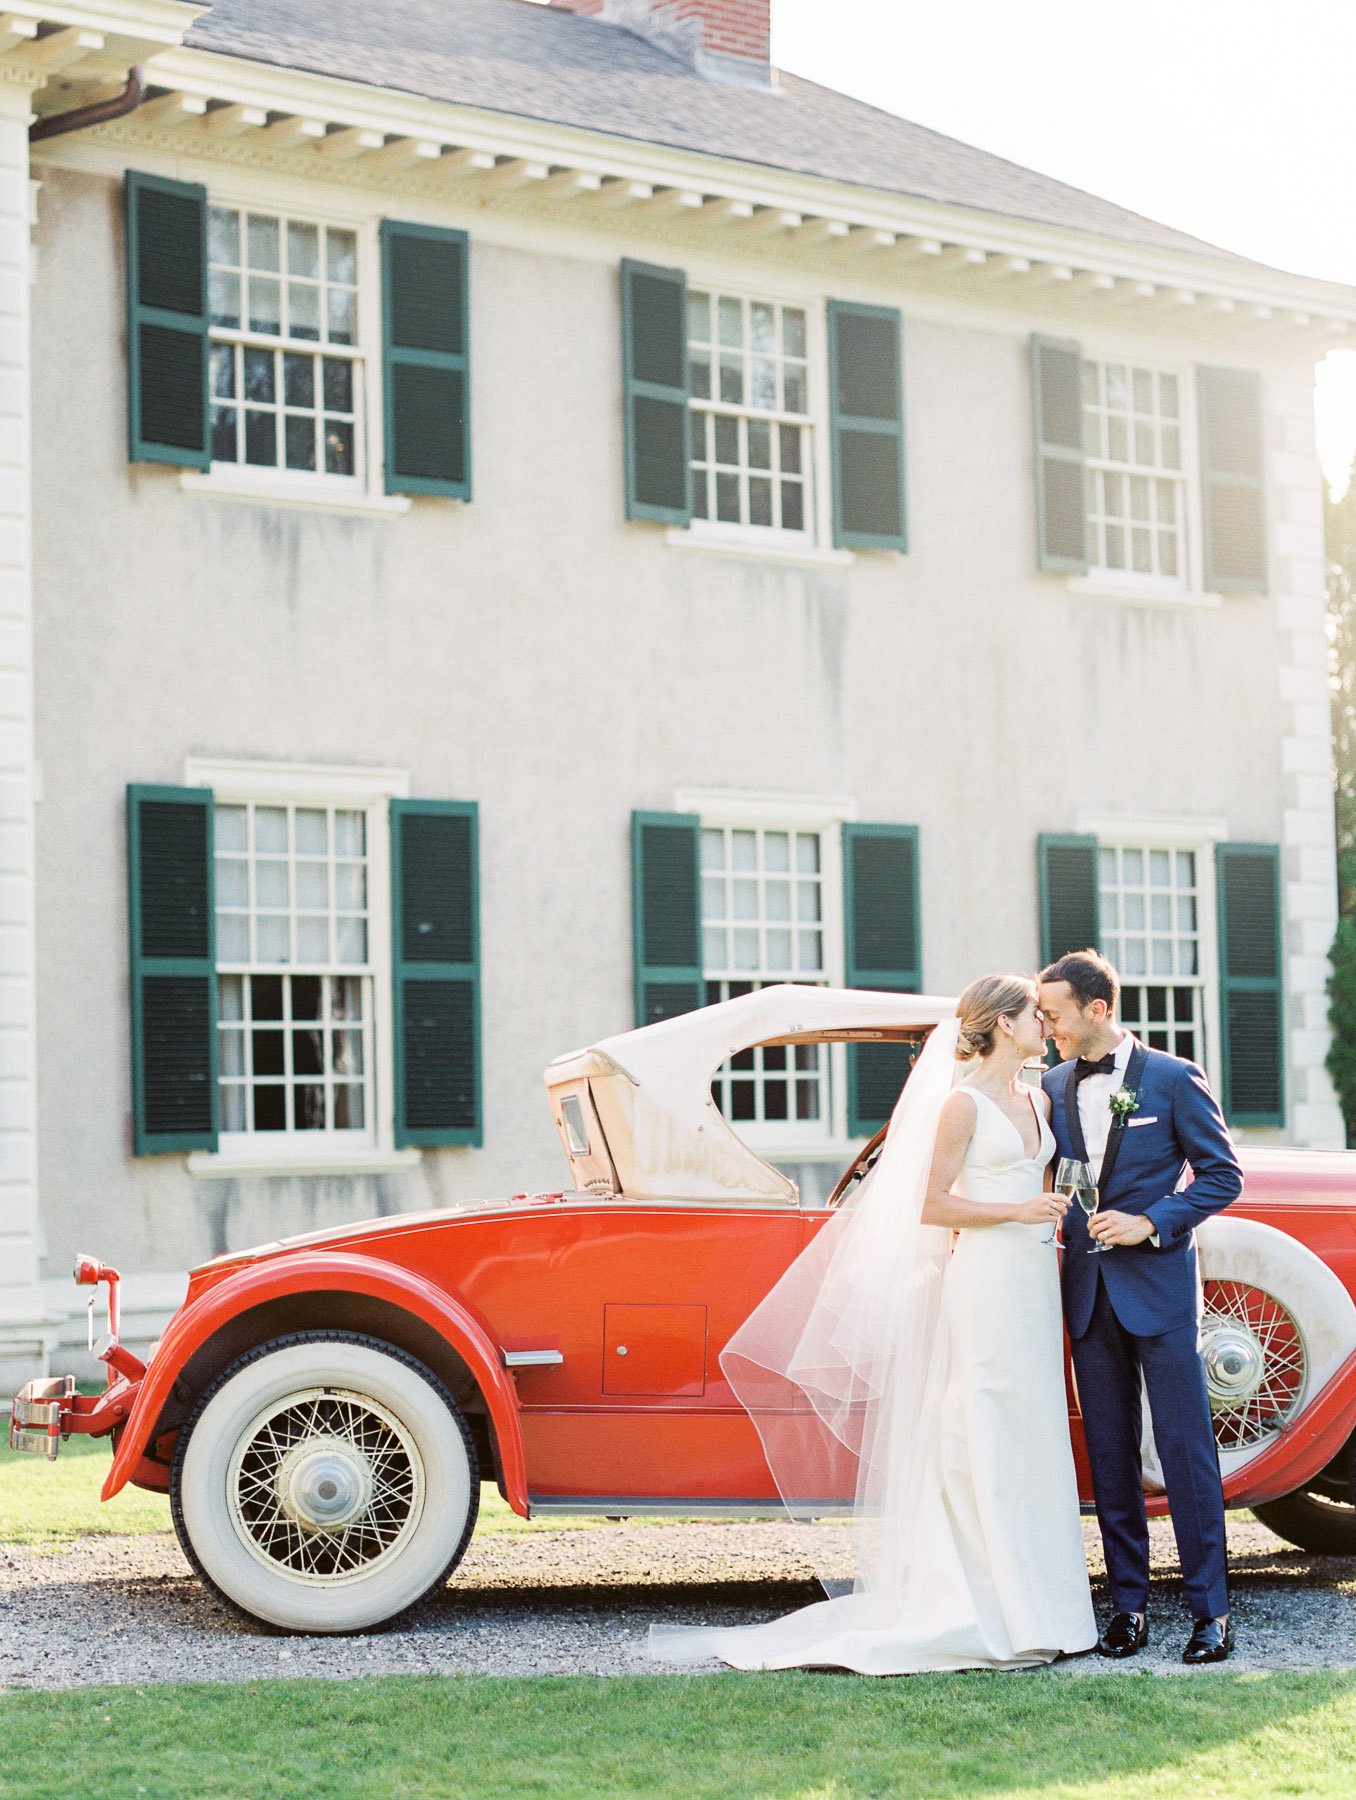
<point>520,519</point>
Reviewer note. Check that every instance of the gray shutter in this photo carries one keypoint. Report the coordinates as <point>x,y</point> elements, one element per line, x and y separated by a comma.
<point>1233,486</point>
<point>172,926</point>
<point>866,426</point>
<point>1070,899</point>
<point>1248,880</point>
<point>168,420</point>
<point>666,914</point>
<point>883,950</point>
<point>655,393</point>
<point>426,360</point>
<point>1057,411</point>
<point>436,972</point>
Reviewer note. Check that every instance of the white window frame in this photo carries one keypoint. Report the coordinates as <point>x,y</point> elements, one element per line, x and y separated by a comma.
<point>810,534</point>
<point>1188,588</point>
<point>1149,473</point>
<point>814,544</point>
<point>368,790</point>
<point>795,1141</point>
<point>244,337</point>
<point>363,492</point>
<point>1178,832</point>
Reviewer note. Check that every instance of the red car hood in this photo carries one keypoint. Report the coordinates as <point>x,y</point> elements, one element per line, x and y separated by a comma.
<point>362,1232</point>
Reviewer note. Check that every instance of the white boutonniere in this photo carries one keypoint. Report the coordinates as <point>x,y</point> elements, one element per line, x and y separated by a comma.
<point>1122,1103</point>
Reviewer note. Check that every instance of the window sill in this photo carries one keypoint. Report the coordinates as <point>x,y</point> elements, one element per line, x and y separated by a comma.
<point>259,489</point>
<point>232,1165</point>
<point>752,549</point>
<point>1098,587</point>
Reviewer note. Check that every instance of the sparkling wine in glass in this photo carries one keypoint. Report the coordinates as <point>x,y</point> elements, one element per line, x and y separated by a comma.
<point>1066,1183</point>
<point>1084,1191</point>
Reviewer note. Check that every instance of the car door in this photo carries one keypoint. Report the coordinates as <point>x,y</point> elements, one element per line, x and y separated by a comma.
<point>642,1300</point>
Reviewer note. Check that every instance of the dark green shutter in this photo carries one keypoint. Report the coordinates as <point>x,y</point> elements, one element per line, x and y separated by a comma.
<point>1233,496</point>
<point>866,426</point>
<point>1070,897</point>
<point>168,419</point>
<point>1248,881</point>
<point>435,918</point>
<point>666,924</point>
<point>883,945</point>
<point>655,393</point>
<point>426,369</point>
<point>172,933</point>
<point>1057,411</point>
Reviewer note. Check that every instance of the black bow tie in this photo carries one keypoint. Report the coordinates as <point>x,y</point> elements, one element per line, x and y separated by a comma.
<point>1105,1065</point>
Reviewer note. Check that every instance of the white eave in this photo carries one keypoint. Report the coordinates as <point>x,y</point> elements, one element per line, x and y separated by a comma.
<point>90,40</point>
<point>233,110</point>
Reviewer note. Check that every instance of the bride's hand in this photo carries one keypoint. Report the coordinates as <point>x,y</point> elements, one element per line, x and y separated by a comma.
<point>1041,1209</point>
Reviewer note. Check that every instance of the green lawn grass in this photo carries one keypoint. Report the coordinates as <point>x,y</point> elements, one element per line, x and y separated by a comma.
<point>792,1737</point>
<point>49,1504</point>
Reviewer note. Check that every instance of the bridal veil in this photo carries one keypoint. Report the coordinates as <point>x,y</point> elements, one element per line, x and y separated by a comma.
<point>839,1371</point>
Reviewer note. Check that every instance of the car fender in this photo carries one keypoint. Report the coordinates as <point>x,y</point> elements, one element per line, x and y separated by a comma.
<point>336,1271</point>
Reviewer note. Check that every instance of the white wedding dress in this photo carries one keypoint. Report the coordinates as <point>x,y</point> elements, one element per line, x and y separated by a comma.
<point>992,1571</point>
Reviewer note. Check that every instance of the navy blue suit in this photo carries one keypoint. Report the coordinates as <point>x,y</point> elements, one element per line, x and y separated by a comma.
<point>1132,1314</point>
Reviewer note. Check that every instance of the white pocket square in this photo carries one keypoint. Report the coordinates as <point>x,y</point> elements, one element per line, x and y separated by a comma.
<point>1148,1119</point>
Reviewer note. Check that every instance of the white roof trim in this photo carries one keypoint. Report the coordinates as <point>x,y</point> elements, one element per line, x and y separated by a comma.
<point>575,174</point>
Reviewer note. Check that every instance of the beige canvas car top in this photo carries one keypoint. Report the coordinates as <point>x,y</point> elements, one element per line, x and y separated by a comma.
<point>635,1112</point>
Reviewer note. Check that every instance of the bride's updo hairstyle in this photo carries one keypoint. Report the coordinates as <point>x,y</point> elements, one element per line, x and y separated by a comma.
<point>982,1005</point>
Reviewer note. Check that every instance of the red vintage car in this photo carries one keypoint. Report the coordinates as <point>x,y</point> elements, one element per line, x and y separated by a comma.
<point>322,1410</point>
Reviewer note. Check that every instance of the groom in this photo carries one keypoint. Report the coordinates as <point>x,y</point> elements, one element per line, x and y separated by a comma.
<point>1140,1117</point>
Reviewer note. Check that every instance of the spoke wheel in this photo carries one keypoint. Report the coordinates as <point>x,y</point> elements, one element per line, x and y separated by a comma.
<point>325,1482</point>
<point>1256,1364</point>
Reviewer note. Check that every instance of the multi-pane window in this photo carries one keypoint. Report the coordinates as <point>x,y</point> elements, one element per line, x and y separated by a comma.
<point>283,303</point>
<point>294,976</point>
<point>1151,930</point>
<point>763,921</point>
<point>749,411</point>
<point>1132,435</point>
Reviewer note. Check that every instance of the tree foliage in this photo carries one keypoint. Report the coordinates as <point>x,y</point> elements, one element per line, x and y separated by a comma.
<point>1341,552</point>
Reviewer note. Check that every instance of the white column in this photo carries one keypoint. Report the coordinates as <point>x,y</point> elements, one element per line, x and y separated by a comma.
<point>1308,834</point>
<point>26,1333</point>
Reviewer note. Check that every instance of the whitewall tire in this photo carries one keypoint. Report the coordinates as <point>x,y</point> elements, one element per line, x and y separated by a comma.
<point>325,1482</point>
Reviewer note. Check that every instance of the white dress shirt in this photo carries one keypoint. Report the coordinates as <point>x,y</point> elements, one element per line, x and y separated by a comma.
<point>1094,1108</point>
<point>1094,1101</point>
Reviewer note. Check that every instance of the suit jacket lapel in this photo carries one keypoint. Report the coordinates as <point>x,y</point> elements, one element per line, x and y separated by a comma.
<point>1073,1125</point>
<point>1133,1070</point>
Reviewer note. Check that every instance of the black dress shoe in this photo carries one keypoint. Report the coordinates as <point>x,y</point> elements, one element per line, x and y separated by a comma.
<point>1211,1641</point>
<point>1125,1635</point>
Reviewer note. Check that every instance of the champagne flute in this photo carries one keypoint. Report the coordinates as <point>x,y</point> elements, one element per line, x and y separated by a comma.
<point>1076,1178</point>
<point>1066,1183</point>
<point>1073,1178</point>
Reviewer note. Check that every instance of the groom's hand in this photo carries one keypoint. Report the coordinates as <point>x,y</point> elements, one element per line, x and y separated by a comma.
<point>1114,1228</point>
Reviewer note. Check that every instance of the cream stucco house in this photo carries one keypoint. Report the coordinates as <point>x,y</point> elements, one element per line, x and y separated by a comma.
<point>518,518</point>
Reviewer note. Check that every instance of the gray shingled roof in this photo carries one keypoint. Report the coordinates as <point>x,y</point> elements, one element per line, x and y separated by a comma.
<point>509,56</point>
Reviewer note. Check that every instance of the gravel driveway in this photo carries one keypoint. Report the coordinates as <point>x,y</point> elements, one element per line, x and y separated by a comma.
<point>572,1602</point>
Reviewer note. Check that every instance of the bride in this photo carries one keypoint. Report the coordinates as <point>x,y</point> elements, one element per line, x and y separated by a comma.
<point>931,1380</point>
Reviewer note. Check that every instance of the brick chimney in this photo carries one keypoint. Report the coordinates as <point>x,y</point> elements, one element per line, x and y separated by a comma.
<point>727,40</point>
